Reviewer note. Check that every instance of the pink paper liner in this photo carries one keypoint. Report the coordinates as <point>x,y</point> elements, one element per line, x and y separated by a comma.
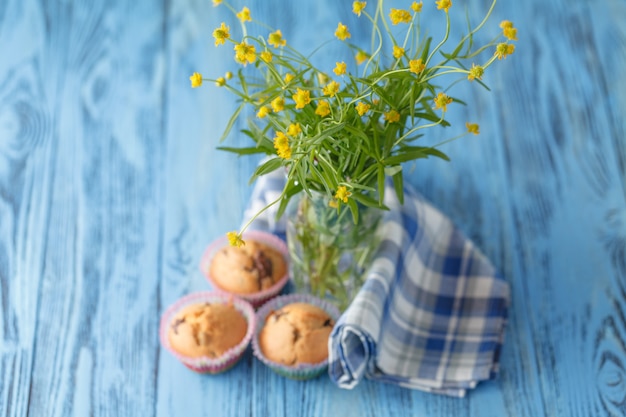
<point>303,370</point>
<point>258,298</point>
<point>206,364</point>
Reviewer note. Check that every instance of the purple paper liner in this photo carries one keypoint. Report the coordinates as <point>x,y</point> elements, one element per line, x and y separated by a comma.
<point>205,364</point>
<point>301,371</point>
<point>258,298</point>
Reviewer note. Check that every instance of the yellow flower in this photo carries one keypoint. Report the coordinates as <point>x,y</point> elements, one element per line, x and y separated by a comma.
<point>340,68</point>
<point>228,75</point>
<point>288,77</point>
<point>417,7</point>
<point>476,72</point>
<point>220,82</point>
<point>245,53</point>
<point>398,52</point>
<point>360,57</point>
<point>294,129</point>
<point>399,16</point>
<point>217,2</point>
<point>416,65</point>
<point>342,32</point>
<point>221,34</point>
<point>266,56</point>
<point>504,49</point>
<point>357,7</point>
<point>333,203</point>
<point>244,15</point>
<point>444,4</point>
<point>508,30</point>
<point>278,104</point>
<point>342,193</point>
<point>302,98</point>
<point>472,128</point>
<point>263,111</point>
<point>235,239</point>
<point>331,88</point>
<point>281,143</point>
<point>276,39</point>
<point>323,109</point>
<point>196,79</point>
<point>392,116</point>
<point>362,108</point>
<point>442,101</point>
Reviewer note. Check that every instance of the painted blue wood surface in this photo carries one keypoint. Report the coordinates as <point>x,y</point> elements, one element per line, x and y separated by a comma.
<point>110,188</point>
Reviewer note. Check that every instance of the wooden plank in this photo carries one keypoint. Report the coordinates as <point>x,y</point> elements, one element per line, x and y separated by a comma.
<point>82,225</point>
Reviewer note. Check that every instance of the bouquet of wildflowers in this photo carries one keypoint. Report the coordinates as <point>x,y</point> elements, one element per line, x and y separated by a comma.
<point>343,133</point>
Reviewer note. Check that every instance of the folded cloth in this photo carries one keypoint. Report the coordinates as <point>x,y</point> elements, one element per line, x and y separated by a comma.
<point>432,311</point>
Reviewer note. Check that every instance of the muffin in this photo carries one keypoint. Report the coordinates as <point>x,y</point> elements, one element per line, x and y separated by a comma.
<point>208,332</point>
<point>255,272</point>
<point>293,335</point>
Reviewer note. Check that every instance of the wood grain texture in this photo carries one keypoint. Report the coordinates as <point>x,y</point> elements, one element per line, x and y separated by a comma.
<point>111,187</point>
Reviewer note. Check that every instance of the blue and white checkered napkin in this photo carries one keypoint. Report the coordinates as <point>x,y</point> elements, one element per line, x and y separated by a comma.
<point>432,312</point>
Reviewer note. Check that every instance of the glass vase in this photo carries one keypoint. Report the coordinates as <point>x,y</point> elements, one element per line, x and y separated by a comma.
<point>329,253</point>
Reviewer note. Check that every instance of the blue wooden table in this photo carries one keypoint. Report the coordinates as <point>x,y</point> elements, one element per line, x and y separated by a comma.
<point>111,187</point>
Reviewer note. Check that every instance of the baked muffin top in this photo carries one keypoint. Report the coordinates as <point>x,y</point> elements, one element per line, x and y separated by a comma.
<point>207,329</point>
<point>247,269</point>
<point>297,333</point>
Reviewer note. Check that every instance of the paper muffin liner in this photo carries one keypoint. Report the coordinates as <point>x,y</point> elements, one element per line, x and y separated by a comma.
<point>205,364</point>
<point>300,371</point>
<point>258,298</point>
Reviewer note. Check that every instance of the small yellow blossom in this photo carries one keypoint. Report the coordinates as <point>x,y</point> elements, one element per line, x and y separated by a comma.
<point>281,143</point>
<point>245,53</point>
<point>276,39</point>
<point>221,34</point>
<point>288,77</point>
<point>392,116</point>
<point>302,98</point>
<point>244,15</point>
<point>322,78</point>
<point>196,79</point>
<point>442,101</point>
<point>228,75</point>
<point>278,104</point>
<point>357,7</point>
<point>263,111</point>
<point>472,128</point>
<point>476,72</point>
<point>399,16</point>
<point>266,56</point>
<point>294,129</point>
<point>417,7</point>
<point>323,108</point>
<point>217,2</point>
<point>333,204</point>
<point>398,52</point>
<point>444,4</point>
<point>362,108</point>
<point>508,30</point>
<point>340,68</point>
<point>360,57</point>
<point>331,88</point>
<point>220,82</point>
<point>342,32</point>
<point>235,239</point>
<point>504,49</point>
<point>416,65</point>
<point>375,101</point>
<point>342,193</point>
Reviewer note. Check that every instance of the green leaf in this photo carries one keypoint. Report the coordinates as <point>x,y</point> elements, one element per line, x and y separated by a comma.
<point>392,170</point>
<point>354,209</point>
<point>243,151</point>
<point>231,122</point>
<point>398,185</point>
<point>267,167</point>
<point>381,184</point>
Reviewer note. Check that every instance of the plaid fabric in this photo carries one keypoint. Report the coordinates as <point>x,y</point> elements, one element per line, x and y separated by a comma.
<point>432,312</point>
